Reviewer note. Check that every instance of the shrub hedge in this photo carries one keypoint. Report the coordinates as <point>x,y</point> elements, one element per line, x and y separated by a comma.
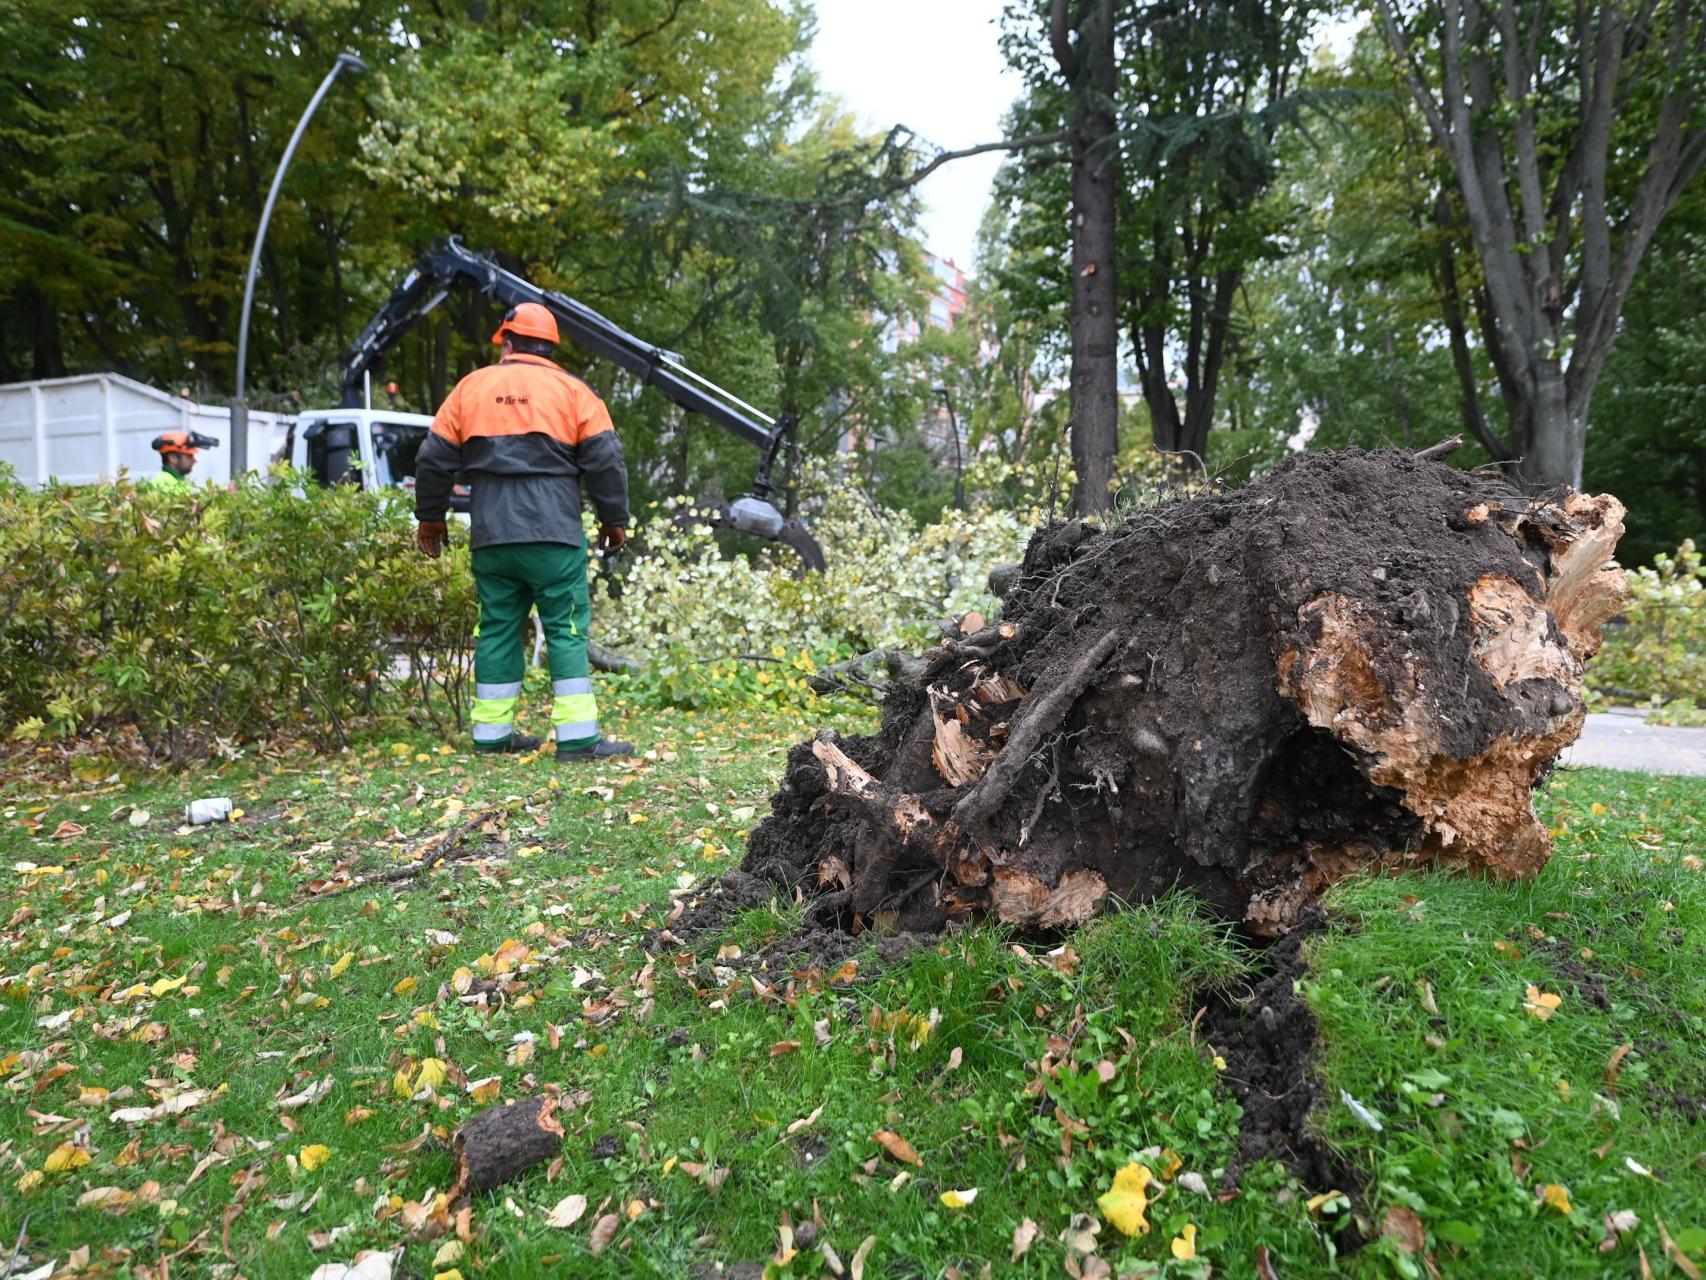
<point>214,616</point>
<point>1657,651</point>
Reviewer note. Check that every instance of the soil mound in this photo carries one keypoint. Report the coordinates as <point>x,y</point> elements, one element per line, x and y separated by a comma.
<point>1363,660</point>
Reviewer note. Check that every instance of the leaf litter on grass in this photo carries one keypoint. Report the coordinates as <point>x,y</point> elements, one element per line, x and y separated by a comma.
<point>1011,1089</point>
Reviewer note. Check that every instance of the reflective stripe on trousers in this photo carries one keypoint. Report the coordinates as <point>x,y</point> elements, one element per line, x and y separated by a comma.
<point>574,711</point>
<point>494,709</point>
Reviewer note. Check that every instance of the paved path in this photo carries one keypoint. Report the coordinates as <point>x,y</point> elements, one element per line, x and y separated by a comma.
<point>1620,739</point>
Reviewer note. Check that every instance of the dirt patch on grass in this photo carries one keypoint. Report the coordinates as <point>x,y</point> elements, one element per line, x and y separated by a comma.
<point>716,904</point>
<point>1563,955</point>
<point>1269,1038</point>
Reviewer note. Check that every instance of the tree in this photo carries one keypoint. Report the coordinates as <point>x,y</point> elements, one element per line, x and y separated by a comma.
<point>1209,85</point>
<point>1648,443</point>
<point>1201,91</point>
<point>1087,66</point>
<point>1570,132</point>
<point>1355,333</point>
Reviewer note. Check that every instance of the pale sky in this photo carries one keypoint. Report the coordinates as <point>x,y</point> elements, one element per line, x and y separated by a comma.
<point>934,66</point>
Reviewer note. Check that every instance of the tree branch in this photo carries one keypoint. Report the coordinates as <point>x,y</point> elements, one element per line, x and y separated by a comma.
<point>1060,40</point>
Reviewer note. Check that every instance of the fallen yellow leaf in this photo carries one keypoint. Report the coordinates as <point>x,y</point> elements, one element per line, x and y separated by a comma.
<point>314,1156</point>
<point>162,986</point>
<point>1554,1196</point>
<point>1316,1203</point>
<point>342,963</point>
<point>1123,1204</point>
<point>449,1254</point>
<point>432,1074</point>
<point>1184,1244</point>
<point>65,1157</point>
<point>405,985</point>
<point>29,1182</point>
<point>959,1199</point>
<point>1541,1004</point>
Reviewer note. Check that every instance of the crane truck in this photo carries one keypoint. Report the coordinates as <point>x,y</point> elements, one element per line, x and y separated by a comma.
<point>331,440</point>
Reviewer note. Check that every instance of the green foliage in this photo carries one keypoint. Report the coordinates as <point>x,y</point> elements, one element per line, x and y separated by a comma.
<point>1205,92</point>
<point>1647,443</point>
<point>1658,650</point>
<point>207,617</point>
<point>1346,332</point>
<point>677,677</point>
<point>712,625</point>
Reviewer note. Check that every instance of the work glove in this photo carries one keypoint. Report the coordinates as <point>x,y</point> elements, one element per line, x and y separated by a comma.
<point>429,537</point>
<point>611,538</point>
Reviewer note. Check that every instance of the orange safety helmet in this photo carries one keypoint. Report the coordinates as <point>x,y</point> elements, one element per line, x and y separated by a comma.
<point>184,442</point>
<point>529,320</point>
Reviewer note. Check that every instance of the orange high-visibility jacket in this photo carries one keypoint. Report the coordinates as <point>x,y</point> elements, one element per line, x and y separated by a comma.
<point>526,432</point>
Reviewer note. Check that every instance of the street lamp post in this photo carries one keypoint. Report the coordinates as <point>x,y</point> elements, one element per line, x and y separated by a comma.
<point>959,459</point>
<point>239,405</point>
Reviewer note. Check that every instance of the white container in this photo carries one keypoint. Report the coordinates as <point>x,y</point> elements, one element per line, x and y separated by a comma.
<point>212,809</point>
<point>85,429</point>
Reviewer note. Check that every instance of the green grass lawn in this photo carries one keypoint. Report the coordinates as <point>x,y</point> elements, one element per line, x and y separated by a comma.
<point>322,1050</point>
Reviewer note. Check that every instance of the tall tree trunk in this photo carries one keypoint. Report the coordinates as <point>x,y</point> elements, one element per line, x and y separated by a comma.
<point>1557,434</point>
<point>47,356</point>
<point>1088,67</point>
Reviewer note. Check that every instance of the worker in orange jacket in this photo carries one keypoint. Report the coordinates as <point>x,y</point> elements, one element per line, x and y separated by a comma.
<point>528,434</point>
<point>177,450</point>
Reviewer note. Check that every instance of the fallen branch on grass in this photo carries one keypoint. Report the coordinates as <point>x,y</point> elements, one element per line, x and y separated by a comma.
<point>435,851</point>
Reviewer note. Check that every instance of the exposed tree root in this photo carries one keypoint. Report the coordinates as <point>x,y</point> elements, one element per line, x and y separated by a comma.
<point>1362,661</point>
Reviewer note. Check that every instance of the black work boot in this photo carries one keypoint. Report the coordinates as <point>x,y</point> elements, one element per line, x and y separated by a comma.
<point>517,744</point>
<point>603,749</point>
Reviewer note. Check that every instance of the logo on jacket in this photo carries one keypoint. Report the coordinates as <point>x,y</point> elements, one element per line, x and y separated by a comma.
<point>512,399</point>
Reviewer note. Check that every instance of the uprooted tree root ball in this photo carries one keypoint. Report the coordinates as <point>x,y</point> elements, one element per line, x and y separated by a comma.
<point>1364,660</point>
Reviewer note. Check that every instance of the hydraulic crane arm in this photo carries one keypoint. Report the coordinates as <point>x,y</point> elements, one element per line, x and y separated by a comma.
<point>450,264</point>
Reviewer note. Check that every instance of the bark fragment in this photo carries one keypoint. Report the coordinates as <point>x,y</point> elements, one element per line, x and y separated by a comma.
<point>501,1143</point>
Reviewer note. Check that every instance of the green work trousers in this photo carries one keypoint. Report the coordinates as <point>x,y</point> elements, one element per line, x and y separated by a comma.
<point>511,579</point>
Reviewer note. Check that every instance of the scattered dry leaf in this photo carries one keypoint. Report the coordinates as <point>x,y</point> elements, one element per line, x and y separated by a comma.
<point>1541,1004</point>
<point>603,1232</point>
<point>568,1211</point>
<point>897,1147</point>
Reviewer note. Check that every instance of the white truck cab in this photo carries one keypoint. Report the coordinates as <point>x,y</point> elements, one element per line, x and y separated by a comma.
<point>375,448</point>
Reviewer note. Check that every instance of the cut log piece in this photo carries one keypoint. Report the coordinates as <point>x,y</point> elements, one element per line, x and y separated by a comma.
<point>500,1144</point>
<point>1362,661</point>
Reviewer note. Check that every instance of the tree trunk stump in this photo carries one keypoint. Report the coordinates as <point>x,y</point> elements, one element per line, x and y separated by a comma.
<point>1362,661</point>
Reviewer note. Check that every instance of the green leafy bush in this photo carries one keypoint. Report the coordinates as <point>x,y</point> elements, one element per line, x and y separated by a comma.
<point>1657,652</point>
<point>710,625</point>
<point>215,616</point>
<point>212,617</point>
